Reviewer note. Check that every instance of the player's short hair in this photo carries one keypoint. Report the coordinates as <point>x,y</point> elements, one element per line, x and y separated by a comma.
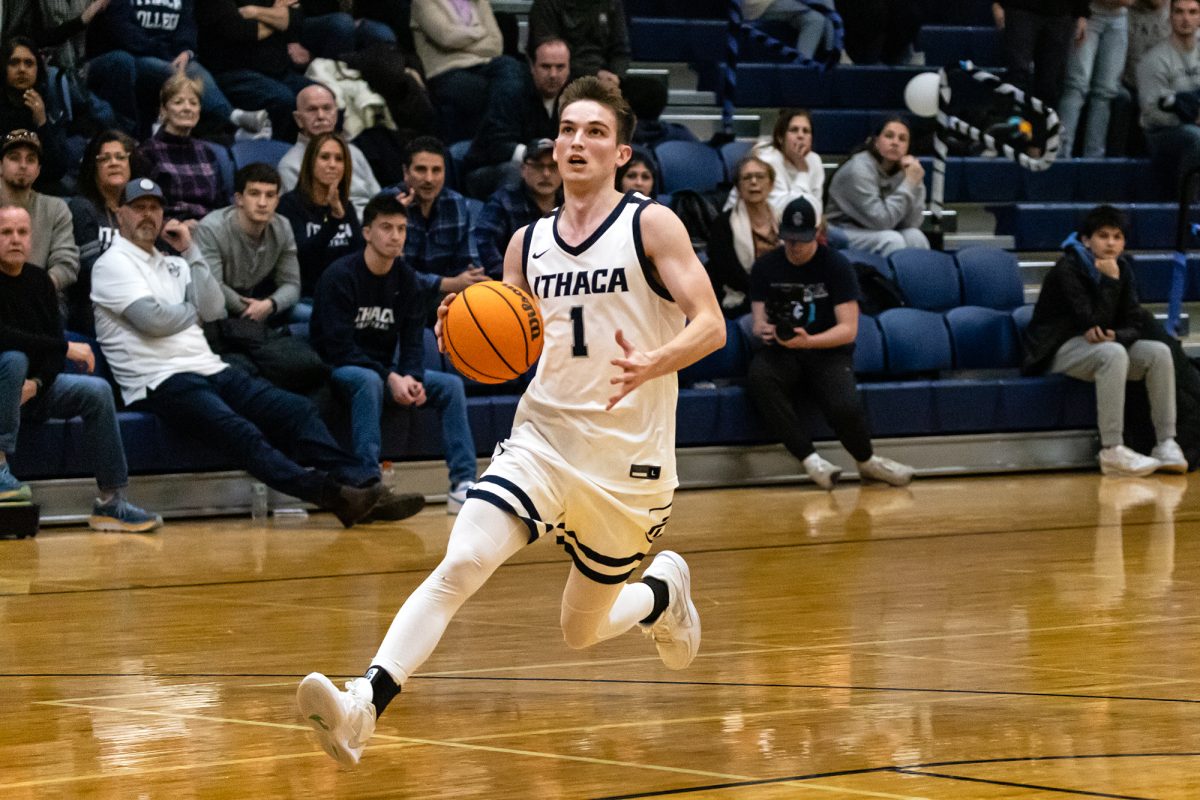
<point>424,144</point>
<point>591,88</point>
<point>1104,216</point>
<point>257,172</point>
<point>383,205</point>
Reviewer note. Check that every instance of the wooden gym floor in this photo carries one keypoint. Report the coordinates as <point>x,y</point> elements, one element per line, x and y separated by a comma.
<point>1000,637</point>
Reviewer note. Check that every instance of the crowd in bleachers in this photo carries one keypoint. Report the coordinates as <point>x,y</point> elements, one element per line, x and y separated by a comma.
<point>278,150</point>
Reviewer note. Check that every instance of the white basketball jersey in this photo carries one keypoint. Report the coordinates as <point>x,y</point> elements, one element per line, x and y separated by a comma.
<point>587,293</point>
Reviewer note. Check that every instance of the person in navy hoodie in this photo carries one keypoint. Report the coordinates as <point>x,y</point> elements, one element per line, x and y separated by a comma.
<point>364,306</point>
<point>133,46</point>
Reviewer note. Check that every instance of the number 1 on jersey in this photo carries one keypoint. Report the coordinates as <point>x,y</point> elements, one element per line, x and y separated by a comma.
<point>579,348</point>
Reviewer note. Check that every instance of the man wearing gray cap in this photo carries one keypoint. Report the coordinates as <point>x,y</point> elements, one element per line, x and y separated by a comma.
<point>149,307</point>
<point>804,302</point>
<point>513,207</point>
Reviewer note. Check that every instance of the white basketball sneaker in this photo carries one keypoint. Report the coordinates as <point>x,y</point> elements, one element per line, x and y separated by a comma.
<point>343,721</point>
<point>1119,460</point>
<point>1170,456</point>
<point>676,634</point>
<point>822,472</point>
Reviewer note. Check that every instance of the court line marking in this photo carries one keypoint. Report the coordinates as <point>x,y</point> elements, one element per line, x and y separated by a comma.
<point>1080,792</point>
<point>1029,667</point>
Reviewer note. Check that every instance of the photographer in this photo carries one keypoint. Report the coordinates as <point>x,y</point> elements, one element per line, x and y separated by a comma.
<point>804,302</point>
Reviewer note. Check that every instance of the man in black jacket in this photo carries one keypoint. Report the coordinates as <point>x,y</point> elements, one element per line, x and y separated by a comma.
<point>510,121</point>
<point>1088,324</point>
<point>33,387</point>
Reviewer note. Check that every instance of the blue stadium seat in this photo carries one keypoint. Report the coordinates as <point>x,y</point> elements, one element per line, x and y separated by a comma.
<point>224,166</point>
<point>259,151</point>
<point>841,130</point>
<point>948,44</point>
<point>983,338</point>
<point>652,39</point>
<point>991,277</point>
<point>874,260</point>
<point>778,85</point>
<point>1059,182</point>
<point>730,362</point>
<point>915,341</point>
<point>689,165</point>
<point>869,86</point>
<point>991,180</point>
<point>953,190</point>
<point>869,357</point>
<point>1021,316</point>
<point>733,152</point>
<point>928,278</point>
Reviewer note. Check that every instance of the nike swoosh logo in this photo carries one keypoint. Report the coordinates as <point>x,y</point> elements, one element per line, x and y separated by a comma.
<point>539,255</point>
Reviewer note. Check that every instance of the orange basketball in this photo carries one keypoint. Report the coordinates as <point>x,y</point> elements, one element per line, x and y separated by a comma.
<point>492,332</point>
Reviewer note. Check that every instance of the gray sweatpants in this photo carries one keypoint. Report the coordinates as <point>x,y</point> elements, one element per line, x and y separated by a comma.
<point>1109,365</point>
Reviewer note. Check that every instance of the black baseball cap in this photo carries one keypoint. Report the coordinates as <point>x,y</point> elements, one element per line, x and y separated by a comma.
<point>141,187</point>
<point>538,148</point>
<point>799,222</point>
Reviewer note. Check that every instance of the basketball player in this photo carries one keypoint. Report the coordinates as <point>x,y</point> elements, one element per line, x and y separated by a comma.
<point>591,456</point>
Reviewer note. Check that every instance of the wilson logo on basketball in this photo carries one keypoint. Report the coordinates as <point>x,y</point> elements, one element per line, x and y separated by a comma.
<point>492,332</point>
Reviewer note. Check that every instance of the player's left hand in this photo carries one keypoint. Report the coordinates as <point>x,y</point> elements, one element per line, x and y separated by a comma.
<point>636,369</point>
<point>797,342</point>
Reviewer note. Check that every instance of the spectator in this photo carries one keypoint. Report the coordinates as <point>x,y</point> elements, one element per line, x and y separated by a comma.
<point>510,209</point>
<point>881,31</point>
<point>1149,24</point>
<point>647,96</point>
<point>324,222</point>
<point>1094,74</point>
<point>317,113</point>
<point>460,45</point>
<point>813,28</point>
<point>148,306</point>
<point>804,301</point>
<point>131,47</point>
<point>329,32</point>
<point>33,387</point>
<point>53,248</point>
<point>1088,324</point>
<point>183,166</point>
<point>1169,92</point>
<point>250,249</point>
<point>369,323</point>
<point>877,198</point>
<point>1038,36</point>
<point>245,44</point>
<point>743,234</point>
<point>103,173</point>
<point>799,171</point>
<point>438,242</point>
<point>639,174</point>
<point>594,30</point>
<point>515,117</point>
<point>25,105</point>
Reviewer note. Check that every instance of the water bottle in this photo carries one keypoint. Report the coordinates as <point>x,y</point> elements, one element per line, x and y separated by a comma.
<point>387,474</point>
<point>258,502</point>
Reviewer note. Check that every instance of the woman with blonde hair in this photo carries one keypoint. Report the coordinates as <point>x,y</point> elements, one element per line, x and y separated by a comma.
<point>185,168</point>
<point>743,233</point>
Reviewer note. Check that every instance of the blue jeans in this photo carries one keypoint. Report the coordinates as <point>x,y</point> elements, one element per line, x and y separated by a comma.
<point>68,396</point>
<point>364,389</point>
<point>330,35</point>
<point>247,88</point>
<point>461,95</point>
<point>131,84</point>
<point>247,417</point>
<point>812,27</point>
<point>1175,151</point>
<point>1094,73</point>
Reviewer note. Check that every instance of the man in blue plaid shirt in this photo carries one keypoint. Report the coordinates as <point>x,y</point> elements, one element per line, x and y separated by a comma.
<point>439,243</point>
<point>514,207</point>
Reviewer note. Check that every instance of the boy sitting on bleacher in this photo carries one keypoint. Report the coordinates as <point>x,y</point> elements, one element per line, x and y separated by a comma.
<point>1088,324</point>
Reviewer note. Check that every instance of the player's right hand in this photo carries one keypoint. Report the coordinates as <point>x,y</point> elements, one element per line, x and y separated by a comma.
<point>442,310</point>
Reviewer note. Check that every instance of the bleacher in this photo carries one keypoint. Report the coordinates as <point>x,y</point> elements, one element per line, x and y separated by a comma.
<point>939,377</point>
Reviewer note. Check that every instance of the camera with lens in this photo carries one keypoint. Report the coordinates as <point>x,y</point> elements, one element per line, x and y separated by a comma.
<point>785,310</point>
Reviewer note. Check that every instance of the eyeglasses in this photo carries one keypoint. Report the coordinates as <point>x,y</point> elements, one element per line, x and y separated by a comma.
<point>750,177</point>
<point>104,158</point>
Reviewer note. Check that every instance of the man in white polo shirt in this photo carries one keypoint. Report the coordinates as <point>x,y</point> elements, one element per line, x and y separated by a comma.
<point>149,307</point>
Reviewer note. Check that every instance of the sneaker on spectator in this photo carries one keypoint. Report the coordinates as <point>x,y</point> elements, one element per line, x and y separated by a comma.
<point>457,496</point>
<point>121,515</point>
<point>251,121</point>
<point>1170,456</point>
<point>11,489</point>
<point>1120,460</point>
<point>676,632</point>
<point>878,468</point>
<point>343,721</point>
<point>822,472</point>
